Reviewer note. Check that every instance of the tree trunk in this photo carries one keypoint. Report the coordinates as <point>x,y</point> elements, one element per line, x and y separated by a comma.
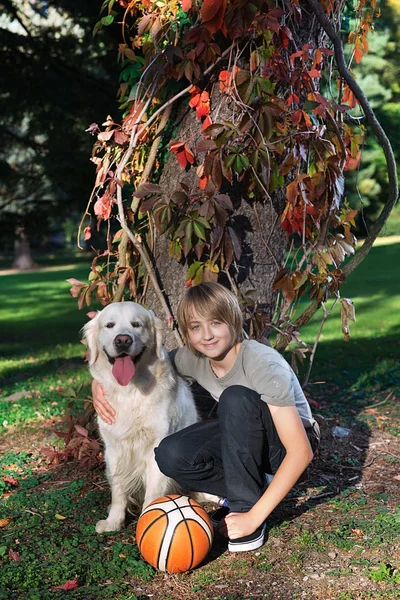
<point>258,224</point>
<point>22,250</point>
<point>264,243</point>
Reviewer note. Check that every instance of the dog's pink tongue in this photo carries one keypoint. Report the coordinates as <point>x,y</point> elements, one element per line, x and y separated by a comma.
<point>123,370</point>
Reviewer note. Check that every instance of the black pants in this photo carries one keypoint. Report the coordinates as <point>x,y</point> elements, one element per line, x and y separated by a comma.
<point>228,457</point>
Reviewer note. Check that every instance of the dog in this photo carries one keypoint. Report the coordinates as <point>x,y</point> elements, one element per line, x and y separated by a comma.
<point>151,401</point>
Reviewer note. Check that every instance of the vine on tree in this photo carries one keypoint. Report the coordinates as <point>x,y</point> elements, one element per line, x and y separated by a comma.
<point>288,130</point>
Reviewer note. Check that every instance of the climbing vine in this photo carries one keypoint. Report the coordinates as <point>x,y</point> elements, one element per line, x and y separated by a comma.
<point>288,141</point>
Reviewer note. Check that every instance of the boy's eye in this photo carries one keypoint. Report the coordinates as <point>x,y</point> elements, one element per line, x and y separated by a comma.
<point>216,322</point>
<point>192,327</point>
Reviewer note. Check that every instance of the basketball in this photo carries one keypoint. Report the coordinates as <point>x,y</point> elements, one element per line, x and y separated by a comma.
<point>174,533</point>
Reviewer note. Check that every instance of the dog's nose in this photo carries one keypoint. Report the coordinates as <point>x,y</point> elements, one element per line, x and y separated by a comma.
<point>122,342</point>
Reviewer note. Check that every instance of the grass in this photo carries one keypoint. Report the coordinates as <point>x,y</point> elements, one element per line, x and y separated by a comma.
<point>48,512</point>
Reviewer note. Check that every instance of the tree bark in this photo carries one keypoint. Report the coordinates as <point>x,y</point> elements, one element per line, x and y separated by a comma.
<point>263,240</point>
<point>23,260</point>
<point>264,243</point>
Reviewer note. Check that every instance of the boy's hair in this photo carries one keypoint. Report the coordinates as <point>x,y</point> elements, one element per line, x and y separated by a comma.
<point>210,300</point>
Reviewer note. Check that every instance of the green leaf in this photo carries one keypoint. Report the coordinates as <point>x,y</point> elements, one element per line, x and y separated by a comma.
<point>203,221</point>
<point>188,234</point>
<point>265,85</point>
<point>237,164</point>
<point>276,181</point>
<point>230,159</point>
<point>245,161</point>
<point>198,278</point>
<point>96,28</point>
<point>107,20</point>
<point>193,269</point>
<point>199,231</point>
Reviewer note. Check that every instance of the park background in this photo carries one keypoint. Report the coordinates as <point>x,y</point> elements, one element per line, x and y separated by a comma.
<point>337,535</point>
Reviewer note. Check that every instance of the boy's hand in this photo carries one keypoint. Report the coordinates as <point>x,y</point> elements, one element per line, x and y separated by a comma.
<point>101,406</point>
<point>238,525</point>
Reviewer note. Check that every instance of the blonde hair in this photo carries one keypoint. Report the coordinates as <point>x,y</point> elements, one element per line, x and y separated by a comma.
<point>210,300</point>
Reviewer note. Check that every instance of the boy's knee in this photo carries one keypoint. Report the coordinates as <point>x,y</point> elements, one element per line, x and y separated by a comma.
<point>237,399</point>
<point>168,456</point>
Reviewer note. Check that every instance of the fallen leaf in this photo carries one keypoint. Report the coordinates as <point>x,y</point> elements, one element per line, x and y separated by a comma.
<point>72,584</point>
<point>5,522</point>
<point>14,555</point>
<point>11,481</point>
<point>14,397</point>
<point>59,517</point>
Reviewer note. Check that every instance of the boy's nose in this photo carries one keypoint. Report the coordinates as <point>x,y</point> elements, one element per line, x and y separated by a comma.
<point>208,334</point>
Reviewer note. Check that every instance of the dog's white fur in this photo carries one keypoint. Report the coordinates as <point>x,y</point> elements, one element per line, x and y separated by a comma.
<point>153,405</point>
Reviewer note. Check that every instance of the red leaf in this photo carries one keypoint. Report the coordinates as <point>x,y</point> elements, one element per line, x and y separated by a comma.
<point>176,146</point>
<point>11,481</point>
<point>74,281</point>
<point>200,101</point>
<point>206,123</point>
<point>212,14</point>
<point>72,584</point>
<point>313,402</point>
<point>81,430</point>
<point>87,234</point>
<point>14,555</point>
<point>209,9</point>
<point>186,4</point>
<point>292,98</point>
<point>314,73</point>
<point>189,154</point>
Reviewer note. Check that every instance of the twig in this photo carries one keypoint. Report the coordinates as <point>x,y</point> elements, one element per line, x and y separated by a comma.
<point>98,485</point>
<point>327,313</point>
<point>379,403</point>
<point>32,512</point>
<point>308,498</point>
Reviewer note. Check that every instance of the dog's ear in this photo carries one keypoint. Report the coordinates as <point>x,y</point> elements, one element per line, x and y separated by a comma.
<point>158,329</point>
<point>89,336</point>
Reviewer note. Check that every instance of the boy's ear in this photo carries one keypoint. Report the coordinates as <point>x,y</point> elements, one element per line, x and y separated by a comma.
<point>158,330</point>
<point>89,336</point>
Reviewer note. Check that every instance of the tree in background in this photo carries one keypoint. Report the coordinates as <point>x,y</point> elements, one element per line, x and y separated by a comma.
<point>229,161</point>
<point>54,79</point>
<point>378,75</point>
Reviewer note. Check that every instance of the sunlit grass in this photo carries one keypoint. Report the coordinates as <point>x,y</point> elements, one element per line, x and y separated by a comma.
<point>40,326</point>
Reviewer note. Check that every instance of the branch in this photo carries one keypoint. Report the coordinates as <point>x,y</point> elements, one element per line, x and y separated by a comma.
<point>387,149</point>
<point>146,262</point>
<point>135,201</point>
<point>376,128</point>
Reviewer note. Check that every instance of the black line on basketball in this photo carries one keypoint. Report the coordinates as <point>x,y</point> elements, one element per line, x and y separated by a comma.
<point>188,530</point>
<point>165,514</point>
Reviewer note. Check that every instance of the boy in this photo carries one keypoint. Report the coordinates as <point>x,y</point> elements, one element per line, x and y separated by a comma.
<point>264,421</point>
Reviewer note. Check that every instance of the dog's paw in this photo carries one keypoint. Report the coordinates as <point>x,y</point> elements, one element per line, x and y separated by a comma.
<point>106,525</point>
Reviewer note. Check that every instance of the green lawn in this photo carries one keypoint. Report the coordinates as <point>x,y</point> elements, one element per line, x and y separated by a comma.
<point>48,537</point>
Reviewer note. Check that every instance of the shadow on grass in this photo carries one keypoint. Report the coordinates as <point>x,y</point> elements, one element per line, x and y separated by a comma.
<point>44,368</point>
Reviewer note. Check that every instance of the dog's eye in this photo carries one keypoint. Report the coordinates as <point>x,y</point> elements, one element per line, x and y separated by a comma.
<point>110,325</point>
<point>135,324</point>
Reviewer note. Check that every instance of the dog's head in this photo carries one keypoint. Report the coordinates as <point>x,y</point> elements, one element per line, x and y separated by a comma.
<point>122,332</point>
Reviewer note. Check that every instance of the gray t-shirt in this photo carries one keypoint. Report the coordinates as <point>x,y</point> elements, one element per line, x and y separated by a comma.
<point>257,367</point>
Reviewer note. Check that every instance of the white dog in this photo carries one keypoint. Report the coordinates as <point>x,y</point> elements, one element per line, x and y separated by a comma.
<point>127,357</point>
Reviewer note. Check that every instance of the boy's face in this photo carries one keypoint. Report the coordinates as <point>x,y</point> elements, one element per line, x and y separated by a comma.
<point>210,337</point>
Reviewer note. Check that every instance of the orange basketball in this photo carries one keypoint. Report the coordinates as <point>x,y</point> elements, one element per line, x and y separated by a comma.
<point>174,533</point>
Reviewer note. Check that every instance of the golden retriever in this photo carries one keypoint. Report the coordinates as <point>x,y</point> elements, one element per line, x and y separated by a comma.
<point>127,357</point>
